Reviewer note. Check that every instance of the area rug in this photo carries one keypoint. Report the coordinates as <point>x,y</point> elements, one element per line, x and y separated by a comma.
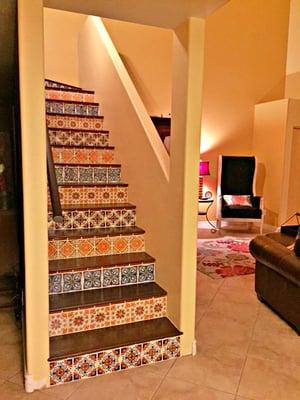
<point>224,257</point>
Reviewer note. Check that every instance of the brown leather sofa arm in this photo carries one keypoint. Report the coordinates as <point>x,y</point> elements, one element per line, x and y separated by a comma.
<point>277,257</point>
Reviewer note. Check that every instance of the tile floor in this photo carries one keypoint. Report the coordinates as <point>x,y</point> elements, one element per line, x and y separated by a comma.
<point>245,352</point>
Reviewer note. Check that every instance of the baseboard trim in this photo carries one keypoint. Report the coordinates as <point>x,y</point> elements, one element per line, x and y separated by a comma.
<point>31,384</point>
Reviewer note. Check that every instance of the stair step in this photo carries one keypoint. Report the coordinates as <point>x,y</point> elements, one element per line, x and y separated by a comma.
<point>77,137</point>
<point>94,216</point>
<point>88,233</point>
<point>85,96</point>
<point>87,273</point>
<point>71,107</point>
<point>69,121</point>
<point>49,83</point>
<point>82,155</point>
<point>67,346</point>
<point>102,308</point>
<point>88,173</point>
<point>101,297</point>
<point>95,242</point>
<point>91,263</point>
<point>90,194</point>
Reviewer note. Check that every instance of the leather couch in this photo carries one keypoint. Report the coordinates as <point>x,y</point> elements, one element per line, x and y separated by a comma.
<point>277,275</point>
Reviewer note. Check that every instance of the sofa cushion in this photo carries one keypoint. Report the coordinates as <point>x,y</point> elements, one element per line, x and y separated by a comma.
<point>241,212</point>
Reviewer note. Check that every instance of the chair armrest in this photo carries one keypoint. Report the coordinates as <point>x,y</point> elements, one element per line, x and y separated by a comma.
<point>257,201</point>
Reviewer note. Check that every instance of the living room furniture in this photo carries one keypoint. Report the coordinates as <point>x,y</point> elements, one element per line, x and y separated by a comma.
<point>204,211</point>
<point>236,200</point>
<point>277,275</point>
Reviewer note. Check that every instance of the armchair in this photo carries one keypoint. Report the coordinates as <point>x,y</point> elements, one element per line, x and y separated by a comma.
<point>236,200</point>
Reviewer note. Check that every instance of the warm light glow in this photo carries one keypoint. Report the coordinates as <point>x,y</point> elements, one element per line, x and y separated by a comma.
<point>204,168</point>
<point>207,141</point>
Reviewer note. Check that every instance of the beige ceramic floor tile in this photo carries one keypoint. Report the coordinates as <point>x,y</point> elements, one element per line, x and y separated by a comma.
<point>238,295</point>
<point>160,368</point>
<point>206,289</point>
<point>268,321</point>
<point>135,384</point>
<point>12,391</point>
<point>269,380</point>
<point>9,353</point>
<point>63,392</point>
<point>1,381</point>
<point>246,283</point>
<point>219,371</point>
<point>177,389</point>
<point>280,348</point>
<point>216,333</point>
<point>18,378</point>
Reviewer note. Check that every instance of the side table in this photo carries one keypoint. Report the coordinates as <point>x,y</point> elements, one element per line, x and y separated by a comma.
<point>208,203</point>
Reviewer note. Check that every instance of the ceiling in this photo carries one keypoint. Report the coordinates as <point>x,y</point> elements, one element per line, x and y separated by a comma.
<point>162,13</point>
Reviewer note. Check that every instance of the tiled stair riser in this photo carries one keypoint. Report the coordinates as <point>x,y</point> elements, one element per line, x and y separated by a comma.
<point>74,281</point>
<point>54,84</point>
<point>94,219</point>
<point>65,107</point>
<point>95,246</point>
<point>52,94</point>
<point>87,174</point>
<point>75,138</point>
<point>82,156</point>
<point>108,361</point>
<point>93,195</point>
<point>85,319</point>
<point>74,122</point>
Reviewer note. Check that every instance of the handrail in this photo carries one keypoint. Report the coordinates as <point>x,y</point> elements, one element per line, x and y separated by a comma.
<point>52,181</point>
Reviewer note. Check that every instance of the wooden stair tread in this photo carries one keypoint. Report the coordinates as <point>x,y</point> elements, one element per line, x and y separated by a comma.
<point>83,263</point>
<point>101,297</point>
<point>99,232</point>
<point>109,338</point>
<point>78,130</point>
<point>62,83</point>
<point>85,103</point>
<point>110,206</point>
<point>74,115</point>
<point>82,147</point>
<point>86,165</point>
<point>94,184</point>
<point>72,90</point>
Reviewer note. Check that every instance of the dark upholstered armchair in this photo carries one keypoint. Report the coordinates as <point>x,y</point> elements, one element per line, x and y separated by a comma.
<point>236,198</point>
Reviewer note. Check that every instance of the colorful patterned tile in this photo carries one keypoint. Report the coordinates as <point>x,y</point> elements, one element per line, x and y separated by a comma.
<point>131,356</point>
<point>111,277</point>
<point>128,217</point>
<point>58,324</point>
<point>103,246</point>
<point>171,348</point>
<point>85,247</point>
<point>140,310</point>
<point>92,279</point>
<point>159,307</point>
<point>67,248</point>
<point>74,122</point>
<point>120,314</point>
<point>146,273</point>
<point>100,174</point>
<point>52,250</point>
<point>152,352</point>
<point>61,371</point>
<point>100,317</point>
<point>52,94</point>
<point>128,275</point>
<point>114,174</point>
<point>72,281</point>
<point>137,243</point>
<point>85,366</point>
<point>113,218</point>
<point>108,361</point>
<point>78,320</point>
<point>78,138</point>
<point>55,283</point>
<point>120,244</point>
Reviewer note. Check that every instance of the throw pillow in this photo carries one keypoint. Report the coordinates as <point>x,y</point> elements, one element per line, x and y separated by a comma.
<point>237,200</point>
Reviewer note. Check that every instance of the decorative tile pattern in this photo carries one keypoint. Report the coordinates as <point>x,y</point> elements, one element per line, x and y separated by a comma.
<point>59,107</point>
<point>106,277</point>
<point>52,94</point>
<point>61,371</point>
<point>96,317</point>
<point>59,85</point>
<point>74,122</point>
<point>78,138</point>
<point>83,156</point>
<point>93,195</point>
<point>98,246</point>
<point>131,356</point>
<point>113,360</point>
<point>87,174</point>
<point>171,348</point>
<point>146,273</point>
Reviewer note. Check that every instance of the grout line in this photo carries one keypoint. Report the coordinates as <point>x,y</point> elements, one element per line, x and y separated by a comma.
<point>163,379</point>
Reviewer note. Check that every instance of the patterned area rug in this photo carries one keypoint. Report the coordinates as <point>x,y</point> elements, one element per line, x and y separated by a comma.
<point>224,257</point>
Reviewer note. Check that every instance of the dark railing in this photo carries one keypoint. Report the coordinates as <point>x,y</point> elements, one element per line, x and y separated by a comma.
<point>52,183</point>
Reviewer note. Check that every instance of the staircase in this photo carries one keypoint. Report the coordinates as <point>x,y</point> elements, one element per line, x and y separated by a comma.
<point>106,311</point>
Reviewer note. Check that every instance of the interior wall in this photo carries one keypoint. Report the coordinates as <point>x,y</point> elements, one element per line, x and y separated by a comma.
<point>245,58</point>
<point>147,54</point>
<point>294,179</point>
<point>61,47</point>
<point>292,84</point>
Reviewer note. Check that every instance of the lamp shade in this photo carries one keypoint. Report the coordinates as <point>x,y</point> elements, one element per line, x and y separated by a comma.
<point>204,168</point>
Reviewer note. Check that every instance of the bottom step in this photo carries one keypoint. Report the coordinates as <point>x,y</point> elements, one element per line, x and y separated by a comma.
<point>94,353</point>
